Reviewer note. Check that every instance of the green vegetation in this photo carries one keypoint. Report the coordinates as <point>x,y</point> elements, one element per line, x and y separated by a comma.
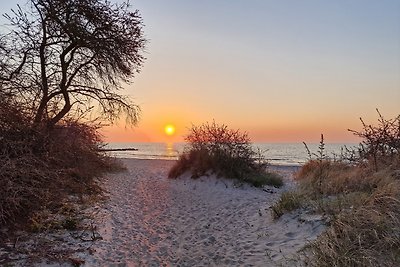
<point>228,153</point>
<point>258,179</point>
<point>360,196</point>
<point>289,201</point>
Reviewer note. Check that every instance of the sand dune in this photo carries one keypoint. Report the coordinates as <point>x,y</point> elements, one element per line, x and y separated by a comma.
<point>150,220</point>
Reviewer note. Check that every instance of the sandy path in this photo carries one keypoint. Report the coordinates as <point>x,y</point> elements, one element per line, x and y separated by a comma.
<point>150,220</point>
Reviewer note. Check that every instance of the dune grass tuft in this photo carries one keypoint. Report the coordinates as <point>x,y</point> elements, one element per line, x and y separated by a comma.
<point>360,198</point>
<point>288,201</point>
<point>258,179</point>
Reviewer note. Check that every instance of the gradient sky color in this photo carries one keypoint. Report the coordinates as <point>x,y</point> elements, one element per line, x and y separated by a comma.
<point>284,71</point>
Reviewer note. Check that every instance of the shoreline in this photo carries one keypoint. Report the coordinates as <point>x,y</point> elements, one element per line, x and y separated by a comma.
<point>274,153</point>
<point>277,166</point>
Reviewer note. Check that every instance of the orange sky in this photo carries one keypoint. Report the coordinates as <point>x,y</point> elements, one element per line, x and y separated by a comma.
<point>284,71</point>
<point>277,131</point>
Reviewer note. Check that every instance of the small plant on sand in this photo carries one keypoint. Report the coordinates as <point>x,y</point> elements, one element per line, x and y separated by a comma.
<point>258,179</point>
<point>223,151</point>
<point>320,161</point>
<point>289,201</point>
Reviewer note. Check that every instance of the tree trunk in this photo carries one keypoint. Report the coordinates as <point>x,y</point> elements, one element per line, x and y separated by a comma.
<point>40,112</point>
<point>67,107</point>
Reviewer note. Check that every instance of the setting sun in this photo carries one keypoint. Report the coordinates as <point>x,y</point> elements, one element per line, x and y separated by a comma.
<point>169,129</point>
<point>217,121</point>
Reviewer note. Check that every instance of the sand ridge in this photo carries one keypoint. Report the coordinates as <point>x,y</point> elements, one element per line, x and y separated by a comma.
<point>150,220</point>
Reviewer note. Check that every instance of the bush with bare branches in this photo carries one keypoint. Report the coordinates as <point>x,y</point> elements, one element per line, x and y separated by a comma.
<point>62,57</point>
<point>224,151</point>
<point>360,197</point>
<point>59,60</point>
<point>380,143</point>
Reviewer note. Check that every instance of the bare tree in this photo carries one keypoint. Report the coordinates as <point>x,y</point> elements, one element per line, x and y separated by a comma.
<point>61,56</point>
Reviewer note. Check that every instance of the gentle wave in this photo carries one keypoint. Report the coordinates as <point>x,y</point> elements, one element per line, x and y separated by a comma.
<point>277,154</point>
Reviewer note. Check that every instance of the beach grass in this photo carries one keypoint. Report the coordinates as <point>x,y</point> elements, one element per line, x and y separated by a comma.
<point>360,200</point>
<point>258,179</point>
<point>289,201</point>
<point>362,210</point>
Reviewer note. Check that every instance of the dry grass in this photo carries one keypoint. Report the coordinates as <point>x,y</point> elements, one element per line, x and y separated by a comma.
<point>362,207</point>
<point>360,198</point>
<point>332,177</point>
<point>364,210</point>
<point>39,167</point>
<point>364,235</point>
<point>338,177</point>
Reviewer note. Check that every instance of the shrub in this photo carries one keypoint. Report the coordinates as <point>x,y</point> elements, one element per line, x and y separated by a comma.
<point>362,198</point>
<point>223,151</point>
<point>363,211</point>
<point>381,143</point>
<point>39,166</point>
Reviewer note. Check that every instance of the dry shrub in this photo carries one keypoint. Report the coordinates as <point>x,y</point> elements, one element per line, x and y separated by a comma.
<point>341,178</point>
<point>180,167</point>
<point>77,156</point>
<point>364,211</point>
<point>381,143</point>
<point>361,198</point>
<point>197,161</point>
<point>25,184</point>
<point>313,168</point>
<point>225,152</point>
<point>39,166</point>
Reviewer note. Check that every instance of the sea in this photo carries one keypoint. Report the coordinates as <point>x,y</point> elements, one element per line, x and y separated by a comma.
<point>286,154</point>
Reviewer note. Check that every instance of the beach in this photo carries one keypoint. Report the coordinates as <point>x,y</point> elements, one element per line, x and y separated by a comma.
<point>147,219</point>
<point>150,220</point>
<point>193,134</point>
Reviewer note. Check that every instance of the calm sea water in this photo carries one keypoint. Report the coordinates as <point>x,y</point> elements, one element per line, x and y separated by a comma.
<point>277,154</point>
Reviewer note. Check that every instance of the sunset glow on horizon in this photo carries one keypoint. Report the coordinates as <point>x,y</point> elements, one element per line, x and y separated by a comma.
<point>200,133</point>
<point>283,71</point>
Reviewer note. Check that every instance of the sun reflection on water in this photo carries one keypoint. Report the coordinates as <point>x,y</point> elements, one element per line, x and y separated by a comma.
<point>170,150</point>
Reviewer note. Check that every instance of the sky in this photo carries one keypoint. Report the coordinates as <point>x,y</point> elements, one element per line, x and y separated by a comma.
<point>283,71</point>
